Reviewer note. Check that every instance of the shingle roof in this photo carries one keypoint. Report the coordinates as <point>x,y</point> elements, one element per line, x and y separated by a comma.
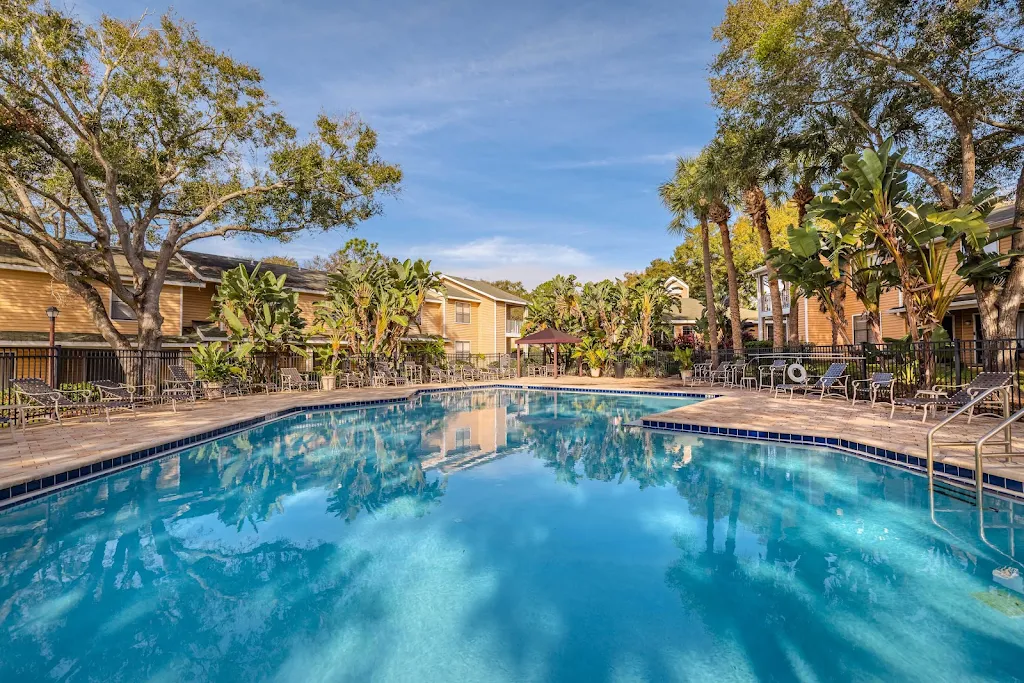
<point>210,266</point>
<point>487,289</point>
<point>11,255</point>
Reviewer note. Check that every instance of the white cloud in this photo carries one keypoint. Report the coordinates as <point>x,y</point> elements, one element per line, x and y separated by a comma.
<point>494,250</point>
<point>498,257</point>
<point>662,159</point>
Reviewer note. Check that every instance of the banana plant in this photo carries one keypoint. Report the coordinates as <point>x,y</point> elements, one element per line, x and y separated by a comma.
<point>260,312</point>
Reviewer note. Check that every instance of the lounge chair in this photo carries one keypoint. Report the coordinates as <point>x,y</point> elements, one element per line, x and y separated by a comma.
<point>40,393</point>
<point>115,391</point>
<point>936,396</point>
<point>701,372</point>
<point>766,374</point>
<point>291,378</point>
<point>439,374</point>
<point>825,385</point>
<point>384,376</point>
<point>180,387</point>
<point>725,373</point>
<point>872,386</point>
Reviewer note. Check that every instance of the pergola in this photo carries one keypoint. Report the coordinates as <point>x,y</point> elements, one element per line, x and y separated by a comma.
<point>548,335</point>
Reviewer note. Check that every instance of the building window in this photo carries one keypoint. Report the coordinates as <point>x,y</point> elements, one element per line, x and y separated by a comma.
<point>119,310</point>
<point>461,312</point>
<point>462,349</point>
<point>463,437</point>
<point>860,329</point>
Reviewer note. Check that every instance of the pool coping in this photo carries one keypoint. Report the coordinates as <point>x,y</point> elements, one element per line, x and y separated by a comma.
<point>962,477</point>
<point>25,492</point>
<point>33,489</point>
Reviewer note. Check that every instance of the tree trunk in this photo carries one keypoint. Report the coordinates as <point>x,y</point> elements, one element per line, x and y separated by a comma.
<point>840,331</point>
<point>999,305</point>
<point>734,289</point>
<point>794,317</point>
<point>757,209</point>
<point>802,197</point>
<point>709,293</point>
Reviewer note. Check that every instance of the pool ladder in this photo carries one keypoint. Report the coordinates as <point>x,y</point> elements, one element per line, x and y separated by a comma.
<point>1004,427</point>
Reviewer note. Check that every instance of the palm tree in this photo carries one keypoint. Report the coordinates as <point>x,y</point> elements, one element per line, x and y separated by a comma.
<point>713,174</point>
<point>811,155</point>
<point>752,164</point>
<point>684,197</point>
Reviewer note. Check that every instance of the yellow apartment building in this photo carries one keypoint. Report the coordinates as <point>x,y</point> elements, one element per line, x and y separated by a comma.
<point>471,316</point>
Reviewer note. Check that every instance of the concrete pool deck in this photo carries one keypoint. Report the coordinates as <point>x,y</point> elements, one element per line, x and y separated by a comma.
<point>49,450</point>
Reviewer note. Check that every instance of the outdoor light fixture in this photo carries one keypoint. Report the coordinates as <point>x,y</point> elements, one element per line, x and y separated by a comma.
<point>52,312</point>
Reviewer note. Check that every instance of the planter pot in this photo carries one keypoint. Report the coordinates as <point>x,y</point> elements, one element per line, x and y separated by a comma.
<point>595,372</point>
<point>327,382</point>
<point>620,369</point>
<point>214,389</point>
<point>685,374</point>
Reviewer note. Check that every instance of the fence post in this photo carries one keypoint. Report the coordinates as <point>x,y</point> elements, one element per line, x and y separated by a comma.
<point>864,360</point>
<point>55,361</point>
<point>956,361</point>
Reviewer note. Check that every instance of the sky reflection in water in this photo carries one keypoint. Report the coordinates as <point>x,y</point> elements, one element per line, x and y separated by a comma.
<point>504,535</point>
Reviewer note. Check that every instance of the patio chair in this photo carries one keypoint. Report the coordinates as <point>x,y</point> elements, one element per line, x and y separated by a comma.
<point>351,378</point>
<point>180,387</point>
<point>291,378</point>
<point>878,382</point>
<point>823,385</point>
<point>937,397</point>
<point>384,376</point>
<point>724,373</point>
<point>766,374</point>
<point>116,391</point>
<point>437,374</point>
<point>701,372</point>
<point>38,392</point>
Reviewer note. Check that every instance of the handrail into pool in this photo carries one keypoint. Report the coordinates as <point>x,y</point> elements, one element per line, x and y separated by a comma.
<point>1004,426</point>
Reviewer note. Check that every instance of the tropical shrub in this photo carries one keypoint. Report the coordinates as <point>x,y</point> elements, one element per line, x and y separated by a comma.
<point>215,362</point>
<point>260,312</point>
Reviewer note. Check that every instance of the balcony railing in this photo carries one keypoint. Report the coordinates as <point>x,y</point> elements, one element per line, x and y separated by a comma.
<point>513,327</point>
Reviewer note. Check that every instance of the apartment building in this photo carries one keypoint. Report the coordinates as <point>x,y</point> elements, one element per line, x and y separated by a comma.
<point>470,315</point>
<point>961,322</point>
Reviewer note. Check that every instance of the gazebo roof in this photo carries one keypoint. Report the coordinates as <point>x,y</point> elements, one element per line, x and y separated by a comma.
<point>549,335</point>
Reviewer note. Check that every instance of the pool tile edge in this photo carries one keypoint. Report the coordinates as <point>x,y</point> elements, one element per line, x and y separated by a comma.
<point>50,483</point>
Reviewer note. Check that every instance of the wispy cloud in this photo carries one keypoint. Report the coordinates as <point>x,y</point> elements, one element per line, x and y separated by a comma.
<point>662,159</point>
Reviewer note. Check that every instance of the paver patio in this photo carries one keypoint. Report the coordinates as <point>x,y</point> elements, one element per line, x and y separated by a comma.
<point>44,450</point>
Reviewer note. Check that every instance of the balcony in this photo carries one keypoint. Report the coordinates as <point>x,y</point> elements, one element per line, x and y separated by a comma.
<point>513,327</point>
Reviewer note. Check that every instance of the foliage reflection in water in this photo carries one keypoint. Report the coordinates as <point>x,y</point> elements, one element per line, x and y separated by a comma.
<point>505,535</point>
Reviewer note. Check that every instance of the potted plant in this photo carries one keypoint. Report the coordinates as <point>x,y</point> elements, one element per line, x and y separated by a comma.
<point>684,356</point>
<point>595,358</point>
<point>214,364</point>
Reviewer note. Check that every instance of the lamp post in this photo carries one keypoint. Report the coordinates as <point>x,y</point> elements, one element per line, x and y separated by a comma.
<point>52,312</point>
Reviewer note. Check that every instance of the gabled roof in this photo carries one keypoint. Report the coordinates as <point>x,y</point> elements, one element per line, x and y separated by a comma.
<point>12,257</point>
<point>486,289</point>
<point>209,267</point>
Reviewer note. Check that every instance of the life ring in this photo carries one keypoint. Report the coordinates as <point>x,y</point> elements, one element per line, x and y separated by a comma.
<point>797,373</point>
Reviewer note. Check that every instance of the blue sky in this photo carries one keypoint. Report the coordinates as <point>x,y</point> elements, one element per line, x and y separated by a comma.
<point>532,135</point>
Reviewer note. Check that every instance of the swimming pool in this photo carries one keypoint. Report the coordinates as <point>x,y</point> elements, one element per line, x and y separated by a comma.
<point>504,535</point>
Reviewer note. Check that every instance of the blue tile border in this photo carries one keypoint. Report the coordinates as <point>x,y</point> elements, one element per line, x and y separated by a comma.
<point>995,483</point>
<point>16,494</point>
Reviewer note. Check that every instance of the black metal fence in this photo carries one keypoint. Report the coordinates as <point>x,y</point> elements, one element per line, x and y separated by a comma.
<point>76,367</point>
<point>914,366</point>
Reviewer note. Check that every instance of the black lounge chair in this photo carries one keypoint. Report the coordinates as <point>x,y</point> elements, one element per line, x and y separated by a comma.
<point>823,385</point>
<point>933,398</point>
<point>40,393</point>
<point>115,391</point>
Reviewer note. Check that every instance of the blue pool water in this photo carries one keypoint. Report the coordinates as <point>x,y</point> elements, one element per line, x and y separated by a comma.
<point>505,535</point>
